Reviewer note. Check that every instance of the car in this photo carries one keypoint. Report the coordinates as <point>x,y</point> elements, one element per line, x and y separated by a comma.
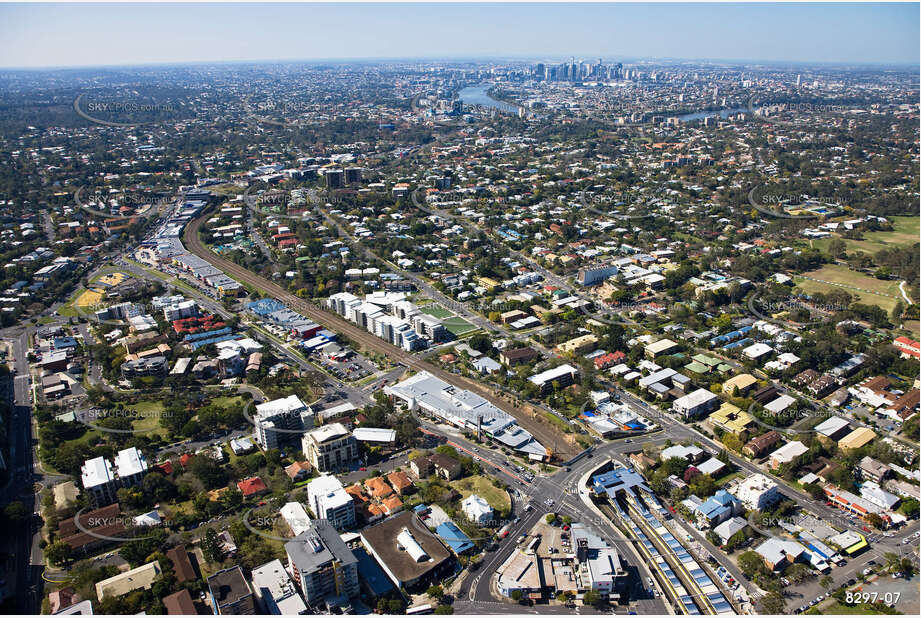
<point>871,562</point>
<point>362,469</point>
<point>263,503</point>
<point>851,581</point>
<point>566,527</point>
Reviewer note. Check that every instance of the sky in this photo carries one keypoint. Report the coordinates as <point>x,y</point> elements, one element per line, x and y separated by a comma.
<point>43,35</point>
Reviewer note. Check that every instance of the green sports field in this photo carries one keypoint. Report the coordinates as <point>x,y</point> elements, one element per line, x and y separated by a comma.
<point>436,311</point>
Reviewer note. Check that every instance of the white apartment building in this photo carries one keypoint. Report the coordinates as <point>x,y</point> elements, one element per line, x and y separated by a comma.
<point>330,448</point>
<point>102,478</point>
<point>329,501</point>
<point>757,492</point>
<point>280,421</point>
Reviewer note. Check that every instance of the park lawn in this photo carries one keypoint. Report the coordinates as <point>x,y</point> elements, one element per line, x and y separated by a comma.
<point>497,498</point>
<point>148,420</point>
<point>905,233</point>
<point>225,401</point>
<point>436,311</point>
<point>458,326</point>
<point>913,326</point>
<point>868,290</point>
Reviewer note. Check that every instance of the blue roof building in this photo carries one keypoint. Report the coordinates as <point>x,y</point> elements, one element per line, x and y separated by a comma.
<point>62,343</point>
<point>617,480</point>
<point>717,508</point>
<point>454,538</point>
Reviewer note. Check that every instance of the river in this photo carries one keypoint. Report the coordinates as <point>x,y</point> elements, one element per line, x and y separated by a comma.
<point>723,113</point>
<point>476,95</point>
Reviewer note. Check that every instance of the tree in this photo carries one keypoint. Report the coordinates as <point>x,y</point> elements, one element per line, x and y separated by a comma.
<point>58,553</point>
<point>211,547</point>
<point>551,518</point>
<point>814,490</point>
<point>395,606</point>
<point>444,610</point>
<point>751,563</point>
<point>893,562</point>
<point>827,582</point>
<point>772,603</point>
<point>909,508</point>
<point>516,595</point>
<point>875,520</point>
<point>435,592</point>
<point>591,597</point>
<point>15,512</point>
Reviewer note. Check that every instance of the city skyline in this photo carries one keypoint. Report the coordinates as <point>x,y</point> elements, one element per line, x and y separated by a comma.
<point>85,35</point>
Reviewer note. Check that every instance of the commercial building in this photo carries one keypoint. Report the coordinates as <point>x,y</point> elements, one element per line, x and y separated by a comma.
<point>323,566</point>
<point>832,429</point>
<point>856,439</point>
<point>778,553</point>
<point>230,594</point>
<point>329,501</point>
<point>330,448</point>
<point>465,410</point>
<point>411,556</point>
<point>275,592</point>
<point>594,275</point>
<point>520,572</point>
<point>600,567</point>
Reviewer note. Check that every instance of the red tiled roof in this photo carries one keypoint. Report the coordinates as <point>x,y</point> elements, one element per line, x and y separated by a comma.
<point>252,486</point>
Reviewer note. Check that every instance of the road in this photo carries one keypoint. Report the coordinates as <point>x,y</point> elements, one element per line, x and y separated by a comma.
<point>21,540</point>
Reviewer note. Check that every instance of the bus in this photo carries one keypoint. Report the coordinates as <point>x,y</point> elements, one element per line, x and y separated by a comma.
<point>419,609</point>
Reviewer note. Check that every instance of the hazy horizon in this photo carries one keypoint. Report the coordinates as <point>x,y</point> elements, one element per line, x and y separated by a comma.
<point>55,36</point>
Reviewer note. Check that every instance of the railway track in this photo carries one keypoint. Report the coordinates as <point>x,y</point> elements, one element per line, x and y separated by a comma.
<point>545,434</point>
